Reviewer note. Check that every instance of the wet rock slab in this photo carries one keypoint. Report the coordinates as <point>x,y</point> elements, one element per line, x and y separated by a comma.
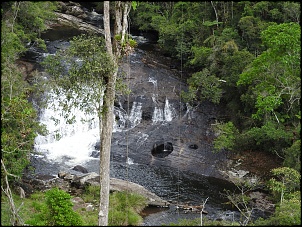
<point>115,185</point>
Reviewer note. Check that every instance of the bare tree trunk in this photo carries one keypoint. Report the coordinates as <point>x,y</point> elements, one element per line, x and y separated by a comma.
<point>125,21</point>
<point>118,16</point>
<point>107,28</point>
<point>216,15</point>
<point>202,209</point>
<point>16,220</point>
<point>108,103</point>
<point>106,130</point>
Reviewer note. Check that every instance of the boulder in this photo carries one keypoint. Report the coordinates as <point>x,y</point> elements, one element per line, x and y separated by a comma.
<point>80,168</point>
<point>66,20</point>
<point>120,185</point>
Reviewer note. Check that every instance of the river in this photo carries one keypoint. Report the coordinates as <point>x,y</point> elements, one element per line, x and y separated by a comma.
<point>149,120</point>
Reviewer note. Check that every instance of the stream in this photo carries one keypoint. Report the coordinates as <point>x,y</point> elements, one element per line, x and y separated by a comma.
<point>158,141</point>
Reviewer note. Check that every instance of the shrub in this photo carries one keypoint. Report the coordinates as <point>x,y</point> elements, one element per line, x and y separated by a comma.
<point>60,210</point>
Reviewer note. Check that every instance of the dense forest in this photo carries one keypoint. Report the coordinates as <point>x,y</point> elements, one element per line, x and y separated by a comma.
<point>244,56</point>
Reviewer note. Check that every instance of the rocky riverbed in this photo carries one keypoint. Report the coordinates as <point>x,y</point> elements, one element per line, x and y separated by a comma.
<point>190,171</point>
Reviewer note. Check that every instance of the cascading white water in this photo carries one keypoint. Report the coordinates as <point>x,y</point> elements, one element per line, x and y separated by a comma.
<point>72,141</point>
<point>133,119</point>
<point>160,115</point>
<point>169,111</point>
<point>75,142</point>
<point>135,114</point>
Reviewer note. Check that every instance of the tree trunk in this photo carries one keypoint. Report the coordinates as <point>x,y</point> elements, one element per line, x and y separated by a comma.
<point>216,15</point>
<point>107,28</point>
<point>125,21</point>
<point>107,127</point>
<point>106,130</point>
<point>108,103</point>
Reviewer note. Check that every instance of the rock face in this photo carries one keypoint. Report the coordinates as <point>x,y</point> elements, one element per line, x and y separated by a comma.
<point>72,8</point>
<point>70,21</point>
<point>77,23</point>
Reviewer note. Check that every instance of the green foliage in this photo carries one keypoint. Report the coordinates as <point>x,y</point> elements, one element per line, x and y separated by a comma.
<point>286,214</point>
<point>250,28</point>
<point>271,137</point>
<point>60,212</point>
<point>33,15</point>
<point>12,45</point>
<point>53,208</point>
<point>6,213</point>
<point>232,66</point>
<point>18,131</point>
<point>125,207</point>
<point>285,181</point>
<point>36,210</point>
<point>134,4</point>
<point>127,45</point>
<point>293,156</point>
<point>91,193</point>
<point>185,222</point>
<point>22,22</point>
<point>201,55</point>
<point>275,74</point>
<point>203,86</point>
<point>37,204</point>
<point>177,23</point>
<point>142,17</point>
<point>227,134</point>
<point>283,39</point>
<point>274,90</point>
<point>79,75</point>
<point>291,12</point>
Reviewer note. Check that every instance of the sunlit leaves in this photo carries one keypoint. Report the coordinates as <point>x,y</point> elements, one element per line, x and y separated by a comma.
<point>284,37</point>
<point>274,76</point>
<point>286,180</point>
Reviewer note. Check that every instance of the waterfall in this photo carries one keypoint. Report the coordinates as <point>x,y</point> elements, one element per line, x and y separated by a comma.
<point>165,114</point>
<point>72,140</point>
<point>135,114</point>
<point>76,140</point>
<point>122,118</point>
<point>169,111</point>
